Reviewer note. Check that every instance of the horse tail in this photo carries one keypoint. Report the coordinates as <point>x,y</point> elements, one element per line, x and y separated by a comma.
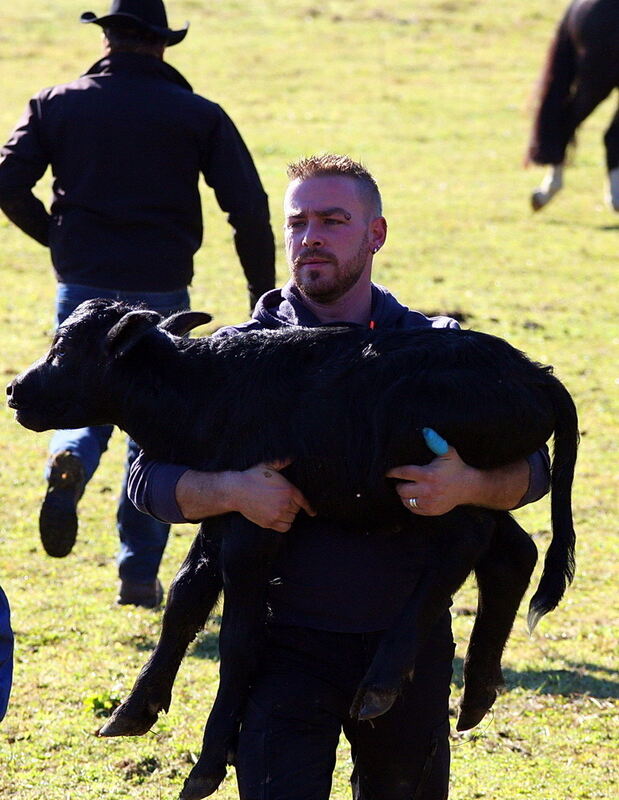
<point>550,132</point>
<point>559,564</point>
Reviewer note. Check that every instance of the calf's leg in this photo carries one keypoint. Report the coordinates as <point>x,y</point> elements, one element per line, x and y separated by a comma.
<point>247,555</point>
<point>192,595</point>
<point>457,541</point>
<point>503,574</point>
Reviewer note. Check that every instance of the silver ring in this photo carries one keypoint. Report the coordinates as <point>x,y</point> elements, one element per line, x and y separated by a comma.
<point>412,501</point>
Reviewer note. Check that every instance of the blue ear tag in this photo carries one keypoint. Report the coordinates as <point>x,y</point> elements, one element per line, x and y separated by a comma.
<point>435,442</point>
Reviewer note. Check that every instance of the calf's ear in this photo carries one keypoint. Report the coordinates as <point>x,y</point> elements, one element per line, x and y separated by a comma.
<point>185,321</point>
<point>129,330</point>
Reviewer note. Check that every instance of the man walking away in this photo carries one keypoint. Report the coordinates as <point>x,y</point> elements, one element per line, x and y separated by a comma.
<point>127,142</point>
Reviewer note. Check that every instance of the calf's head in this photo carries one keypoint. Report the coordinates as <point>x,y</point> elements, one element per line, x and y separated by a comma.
<point>74,385</point>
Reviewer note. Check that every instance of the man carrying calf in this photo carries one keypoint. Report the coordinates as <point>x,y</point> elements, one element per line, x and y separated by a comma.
<point>333,591</point>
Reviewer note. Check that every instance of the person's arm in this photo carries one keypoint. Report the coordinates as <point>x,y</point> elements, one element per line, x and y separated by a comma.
<point>23,162</point>
<point>447,482</point>
<point>261,494</point>
<point>177,494</point>
<point>229,170</point>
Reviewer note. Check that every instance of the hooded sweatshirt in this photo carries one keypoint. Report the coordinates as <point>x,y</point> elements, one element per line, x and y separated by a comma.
<point>325,577</point>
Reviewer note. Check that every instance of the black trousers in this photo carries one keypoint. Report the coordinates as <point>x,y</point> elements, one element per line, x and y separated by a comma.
<point>299,703</point>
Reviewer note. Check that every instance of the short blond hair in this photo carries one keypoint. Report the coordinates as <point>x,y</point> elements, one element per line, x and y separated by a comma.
<point>333,165</point>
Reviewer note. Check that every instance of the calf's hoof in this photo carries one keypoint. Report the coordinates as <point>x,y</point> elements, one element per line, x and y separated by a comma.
<point>131,719</point>
<point>371,703</point>
<point>198,785</point>
<point>473,711</point>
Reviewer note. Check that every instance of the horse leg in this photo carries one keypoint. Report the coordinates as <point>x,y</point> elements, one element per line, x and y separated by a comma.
<point>590,90</point>
<point>611,143</point>
<point>458,541</point>
<point>247,555</point>
<point>503,574</point>
<point>548,188</point>
<point>192,595</point>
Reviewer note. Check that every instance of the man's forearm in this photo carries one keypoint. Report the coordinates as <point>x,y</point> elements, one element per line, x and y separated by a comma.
<point>255,247</point>
<point>501,488</point>
<point>206,494</point>
<point>447,482</point>
<point>28,213</point>
<point>259,493</point>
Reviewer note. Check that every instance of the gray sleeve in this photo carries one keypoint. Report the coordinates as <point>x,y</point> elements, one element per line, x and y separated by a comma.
<point>152,488</point>
<point>539,477</point>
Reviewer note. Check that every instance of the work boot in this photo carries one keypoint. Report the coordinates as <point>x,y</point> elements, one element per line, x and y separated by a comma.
<point>147,594</point>
<point>58,516</point>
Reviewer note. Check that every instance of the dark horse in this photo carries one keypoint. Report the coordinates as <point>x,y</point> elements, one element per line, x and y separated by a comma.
<point>582,69</point>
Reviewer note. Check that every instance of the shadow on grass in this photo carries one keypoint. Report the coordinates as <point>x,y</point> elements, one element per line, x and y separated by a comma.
<point>565,223</point>
<point>580,679</point>
<point>205,646</point>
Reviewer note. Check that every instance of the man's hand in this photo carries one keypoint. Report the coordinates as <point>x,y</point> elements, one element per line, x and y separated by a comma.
<point>447,482</point>
<point>266,498</point>
<point>443,484</point>
<point>259,493</point>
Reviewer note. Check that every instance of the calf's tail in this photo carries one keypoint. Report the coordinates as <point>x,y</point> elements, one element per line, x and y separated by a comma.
<point>559,563</point>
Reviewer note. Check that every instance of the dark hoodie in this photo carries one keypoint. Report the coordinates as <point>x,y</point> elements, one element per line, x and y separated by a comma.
<point>325,577</point>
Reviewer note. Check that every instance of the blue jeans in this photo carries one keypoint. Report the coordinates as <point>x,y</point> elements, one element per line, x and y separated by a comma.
<point>142,538</point>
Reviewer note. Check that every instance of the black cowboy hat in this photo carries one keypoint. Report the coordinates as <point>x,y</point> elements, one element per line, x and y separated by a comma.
<point>148,15</point>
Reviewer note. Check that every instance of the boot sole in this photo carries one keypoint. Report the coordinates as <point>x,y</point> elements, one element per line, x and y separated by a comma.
<point>58,516</point>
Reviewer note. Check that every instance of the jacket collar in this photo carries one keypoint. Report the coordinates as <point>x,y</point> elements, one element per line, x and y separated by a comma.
<point>284,307</point>
<point>138,63</point>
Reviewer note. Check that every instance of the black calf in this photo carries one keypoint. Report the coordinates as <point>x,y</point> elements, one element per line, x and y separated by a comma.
<point>346,404</point>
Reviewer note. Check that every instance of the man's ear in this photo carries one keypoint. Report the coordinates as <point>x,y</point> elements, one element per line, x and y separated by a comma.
<point>129,330</point>
<point>378,233</point>
<point>185,321</point>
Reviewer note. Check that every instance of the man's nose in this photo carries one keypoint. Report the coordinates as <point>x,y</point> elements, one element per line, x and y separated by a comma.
<point>312,237</point>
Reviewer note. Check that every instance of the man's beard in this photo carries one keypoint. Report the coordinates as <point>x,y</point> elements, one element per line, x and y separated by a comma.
<point>346,274</point>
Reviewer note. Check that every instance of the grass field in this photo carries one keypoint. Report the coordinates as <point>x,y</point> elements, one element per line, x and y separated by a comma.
<point>432,95</point>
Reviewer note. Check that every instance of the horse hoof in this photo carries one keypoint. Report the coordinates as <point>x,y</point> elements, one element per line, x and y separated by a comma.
<point>128,721</point>
<point>198,786</point>
<point>371,703</point>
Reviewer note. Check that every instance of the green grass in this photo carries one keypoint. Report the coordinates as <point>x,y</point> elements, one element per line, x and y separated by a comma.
<point>432,95</point>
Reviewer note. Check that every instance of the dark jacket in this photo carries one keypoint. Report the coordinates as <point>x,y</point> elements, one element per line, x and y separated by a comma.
<point>325,577</point>
<point>127,142</point>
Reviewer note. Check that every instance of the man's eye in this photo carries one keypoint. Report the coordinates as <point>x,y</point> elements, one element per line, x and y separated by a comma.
<point>332,221</point>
